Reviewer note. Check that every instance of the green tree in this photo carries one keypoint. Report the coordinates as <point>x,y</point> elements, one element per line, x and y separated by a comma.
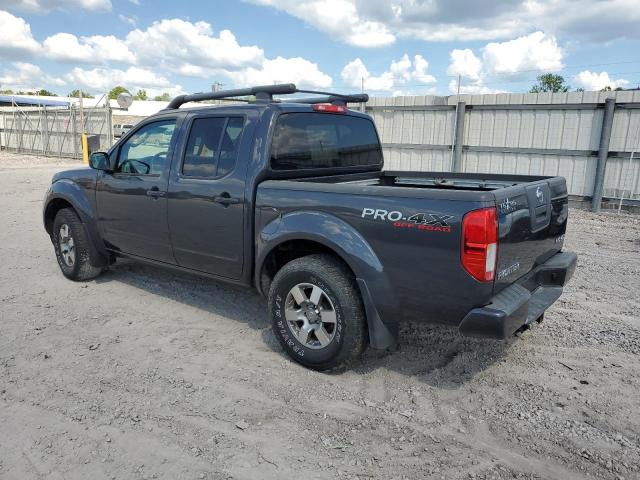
<point>76,94</point>
<point>165,97</point>
<point>115,91</point>
<point>609,89</point>
<point>46,93</point>
<point>8,91</point>
<point>141,95</point>
<point>550,82</point>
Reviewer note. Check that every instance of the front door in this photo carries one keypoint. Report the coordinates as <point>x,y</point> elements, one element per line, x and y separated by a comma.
<point>206,198</point>
<point>132,200</point>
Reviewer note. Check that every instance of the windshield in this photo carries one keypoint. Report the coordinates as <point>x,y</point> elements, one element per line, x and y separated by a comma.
<point>321,140</point>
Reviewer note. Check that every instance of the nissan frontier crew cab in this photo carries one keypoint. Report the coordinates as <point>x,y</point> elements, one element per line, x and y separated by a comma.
<point>289,195</point>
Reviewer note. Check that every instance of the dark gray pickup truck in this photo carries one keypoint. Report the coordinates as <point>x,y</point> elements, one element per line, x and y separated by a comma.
<point>288,195</point>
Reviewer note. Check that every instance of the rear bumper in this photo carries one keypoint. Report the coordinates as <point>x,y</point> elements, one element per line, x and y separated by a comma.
<point>523,302</point>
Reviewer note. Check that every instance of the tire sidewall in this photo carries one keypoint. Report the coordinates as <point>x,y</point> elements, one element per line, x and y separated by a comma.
<point>62,219</point>
<point>300,352</point>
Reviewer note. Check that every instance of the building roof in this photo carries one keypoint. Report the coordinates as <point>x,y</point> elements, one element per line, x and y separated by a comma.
<point>31,100</point>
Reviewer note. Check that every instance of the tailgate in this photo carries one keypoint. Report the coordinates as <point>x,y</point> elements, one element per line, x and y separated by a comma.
<point>532,219</point>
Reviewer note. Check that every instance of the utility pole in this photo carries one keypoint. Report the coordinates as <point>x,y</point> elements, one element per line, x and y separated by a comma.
<point>362,105</point>
<point>216,87</point>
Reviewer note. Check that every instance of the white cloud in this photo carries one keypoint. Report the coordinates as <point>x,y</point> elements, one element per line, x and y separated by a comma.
<point>355,72</point>
<point>44,6</point>
<point>502,62</point>
<point>27,76</point>
<point>464,63</point>
<point>297,70</point>
<point>100,80</point>
<point>192,49</point>
<point>473,88</point>
<point>96,49</point>
<point>133,21</point>
<point>16,39</point>
<point>340,19</point>
<point>536,51</point>
<point>400,73</point>
<point>593,81</point>
<point>178,44</point>
<point>170,46</point>
<point>375,23</point>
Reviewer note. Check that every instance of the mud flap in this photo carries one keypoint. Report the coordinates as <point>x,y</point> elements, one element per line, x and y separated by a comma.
<point>381,336</point>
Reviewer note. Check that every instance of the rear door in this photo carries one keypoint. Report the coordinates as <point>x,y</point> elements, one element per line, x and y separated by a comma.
<point>206,204</point>
<point>532,223</point>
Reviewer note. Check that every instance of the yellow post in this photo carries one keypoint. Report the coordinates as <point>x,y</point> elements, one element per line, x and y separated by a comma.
<point>85,149</point>
<point>83,136</point>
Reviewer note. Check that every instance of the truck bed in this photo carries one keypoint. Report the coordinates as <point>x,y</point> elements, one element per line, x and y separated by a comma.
<point>431,180</point>
<point>531,213</point>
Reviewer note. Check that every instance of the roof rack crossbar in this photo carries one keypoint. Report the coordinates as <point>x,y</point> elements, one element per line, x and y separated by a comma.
<point>262,93</point>
<point>265,94</point>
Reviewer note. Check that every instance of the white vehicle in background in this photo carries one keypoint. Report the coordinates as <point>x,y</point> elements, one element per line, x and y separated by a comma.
<point>120,129</point>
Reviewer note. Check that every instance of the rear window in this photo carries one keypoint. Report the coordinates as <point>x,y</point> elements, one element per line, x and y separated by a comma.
<point>320,140</point>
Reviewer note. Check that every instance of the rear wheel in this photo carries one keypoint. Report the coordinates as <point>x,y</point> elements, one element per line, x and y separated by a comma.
<point>72,246</point>
<point>317,313</point>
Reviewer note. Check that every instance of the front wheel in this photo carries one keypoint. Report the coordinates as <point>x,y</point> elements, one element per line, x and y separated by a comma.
<point>72,246</point>
<point>317,313</point>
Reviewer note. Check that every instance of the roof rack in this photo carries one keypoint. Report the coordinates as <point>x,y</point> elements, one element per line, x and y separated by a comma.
<point>265,93</point>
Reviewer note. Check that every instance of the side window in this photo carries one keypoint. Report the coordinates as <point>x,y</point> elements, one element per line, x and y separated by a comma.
<point>212,146</point>
<point>146,151</point>
<point>201,156</point>
<point>229,146</point>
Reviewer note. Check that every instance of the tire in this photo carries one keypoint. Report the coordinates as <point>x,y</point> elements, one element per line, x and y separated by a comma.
<point>317,312</point>
<point>71,245</point>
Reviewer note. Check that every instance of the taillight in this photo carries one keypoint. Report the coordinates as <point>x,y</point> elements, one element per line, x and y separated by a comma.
<point>480,243</point>
<point>329,108</point>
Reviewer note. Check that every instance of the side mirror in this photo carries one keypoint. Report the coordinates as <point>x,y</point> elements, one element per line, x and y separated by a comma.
<point>99,161</point>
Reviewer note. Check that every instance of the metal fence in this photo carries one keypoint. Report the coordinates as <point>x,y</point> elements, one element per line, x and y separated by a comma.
<point>573,134</point>
<point>54,131</point>
<point>538,134</point>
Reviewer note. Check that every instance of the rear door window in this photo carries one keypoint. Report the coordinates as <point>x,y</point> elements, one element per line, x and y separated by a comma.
<point>320,140</point>
<point>212,146</point>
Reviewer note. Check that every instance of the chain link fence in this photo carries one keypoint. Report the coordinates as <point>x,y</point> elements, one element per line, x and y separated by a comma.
<point>55,131</point>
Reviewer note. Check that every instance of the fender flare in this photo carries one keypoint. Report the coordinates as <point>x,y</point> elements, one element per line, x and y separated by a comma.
<point>72,193</point>
<point>351,247</point>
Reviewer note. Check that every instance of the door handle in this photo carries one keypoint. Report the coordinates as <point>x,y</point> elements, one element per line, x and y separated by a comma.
<point>226,199</point>
<point>155,192</point>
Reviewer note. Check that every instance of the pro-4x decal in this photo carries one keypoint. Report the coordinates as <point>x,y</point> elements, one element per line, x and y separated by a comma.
<point>434,222</point>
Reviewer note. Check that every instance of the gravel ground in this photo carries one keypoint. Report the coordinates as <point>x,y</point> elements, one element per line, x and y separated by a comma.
<point>145,373</point>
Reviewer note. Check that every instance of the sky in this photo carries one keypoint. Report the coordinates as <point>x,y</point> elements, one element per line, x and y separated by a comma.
<point>389,47</point>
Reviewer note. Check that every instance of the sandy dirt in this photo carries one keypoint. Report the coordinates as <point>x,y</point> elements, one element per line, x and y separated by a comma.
<point>144,373</point>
